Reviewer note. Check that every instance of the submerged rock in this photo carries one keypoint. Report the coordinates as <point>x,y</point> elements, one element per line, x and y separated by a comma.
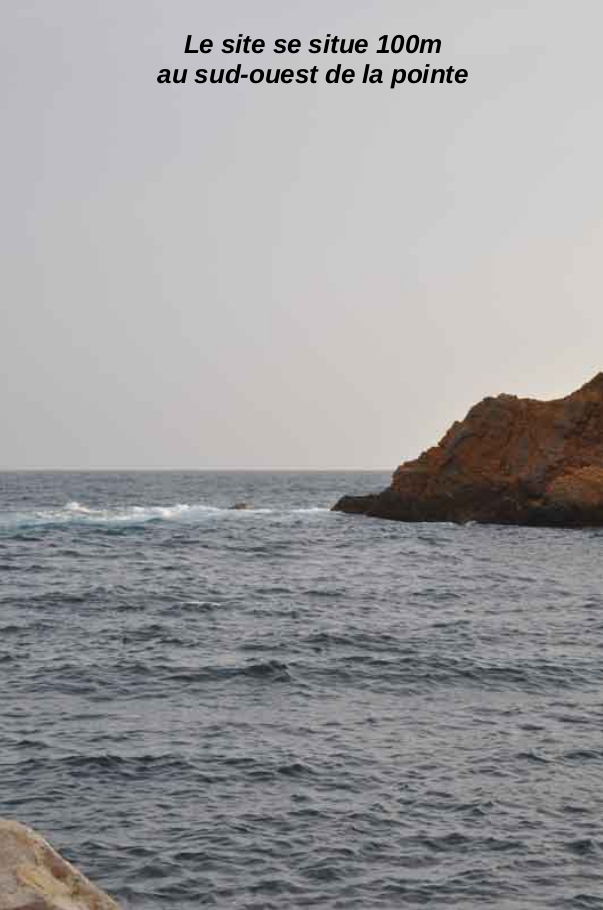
<point>510,461</point>
<point>34,877</point>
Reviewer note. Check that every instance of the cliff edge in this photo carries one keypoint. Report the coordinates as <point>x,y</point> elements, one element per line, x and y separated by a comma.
<point>510,461</point>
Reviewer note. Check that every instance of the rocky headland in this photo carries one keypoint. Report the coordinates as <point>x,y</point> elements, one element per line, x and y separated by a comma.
<point>34,877</point>
<point>510,461</point>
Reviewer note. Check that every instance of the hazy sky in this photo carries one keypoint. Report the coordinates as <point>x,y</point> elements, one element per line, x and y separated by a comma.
<point>290,276</point>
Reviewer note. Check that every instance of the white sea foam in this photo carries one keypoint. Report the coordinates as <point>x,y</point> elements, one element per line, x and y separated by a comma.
<point>75,512</point>
<point>137,514</point>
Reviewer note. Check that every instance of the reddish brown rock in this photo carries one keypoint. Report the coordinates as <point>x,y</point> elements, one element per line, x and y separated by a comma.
<point>34,877</point>
<point>510,461</point>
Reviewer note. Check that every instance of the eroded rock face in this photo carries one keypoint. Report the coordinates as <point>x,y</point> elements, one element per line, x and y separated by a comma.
<point>511,461</point>
<point>34,877</point>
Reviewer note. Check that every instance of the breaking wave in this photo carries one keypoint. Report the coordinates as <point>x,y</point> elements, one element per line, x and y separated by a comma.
<point>76,513</point>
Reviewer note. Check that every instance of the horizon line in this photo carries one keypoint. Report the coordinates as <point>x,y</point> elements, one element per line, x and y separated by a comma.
<point>194,470</point>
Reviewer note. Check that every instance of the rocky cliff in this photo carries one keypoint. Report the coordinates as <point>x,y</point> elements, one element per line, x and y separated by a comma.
<point>510,461</point>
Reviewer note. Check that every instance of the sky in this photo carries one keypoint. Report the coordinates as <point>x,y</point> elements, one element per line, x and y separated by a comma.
<point>290,276</point>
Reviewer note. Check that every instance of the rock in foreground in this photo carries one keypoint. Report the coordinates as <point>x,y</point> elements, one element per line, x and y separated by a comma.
<point>34,877</point>
<point>510,461</point>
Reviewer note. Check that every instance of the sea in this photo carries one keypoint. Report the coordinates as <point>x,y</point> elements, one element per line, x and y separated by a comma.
<point>288,707</point>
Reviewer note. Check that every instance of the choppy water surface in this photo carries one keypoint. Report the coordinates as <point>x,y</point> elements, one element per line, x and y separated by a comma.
<point>294,708</point>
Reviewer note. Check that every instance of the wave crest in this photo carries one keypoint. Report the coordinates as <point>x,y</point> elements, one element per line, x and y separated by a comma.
<point>75,512</point>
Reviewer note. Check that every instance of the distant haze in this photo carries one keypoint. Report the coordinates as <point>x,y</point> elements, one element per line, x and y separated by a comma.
<point>290,276</point>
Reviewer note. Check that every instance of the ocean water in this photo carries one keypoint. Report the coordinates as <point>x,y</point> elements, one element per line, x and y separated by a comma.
<point>289,707</point>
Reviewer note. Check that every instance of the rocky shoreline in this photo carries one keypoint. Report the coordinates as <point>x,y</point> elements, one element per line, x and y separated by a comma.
<point>34,877</point>
<point>512,460</point>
